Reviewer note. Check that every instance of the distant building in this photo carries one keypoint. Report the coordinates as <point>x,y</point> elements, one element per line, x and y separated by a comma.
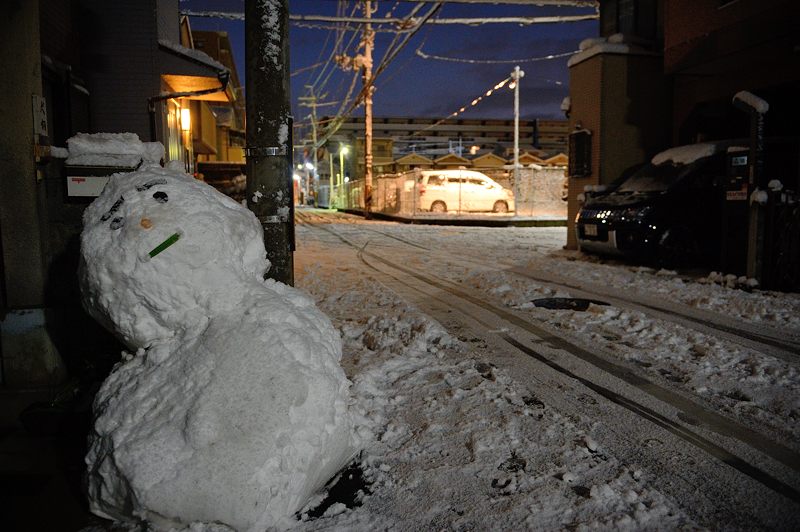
<point>219,138</point>
<point>402,143</point>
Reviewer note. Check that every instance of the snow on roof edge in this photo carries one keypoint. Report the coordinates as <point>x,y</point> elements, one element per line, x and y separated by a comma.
<point>605,47</point>
<point>193,54</point>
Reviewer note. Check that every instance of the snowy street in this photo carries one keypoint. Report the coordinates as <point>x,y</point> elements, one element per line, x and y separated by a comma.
<point>670,402</point>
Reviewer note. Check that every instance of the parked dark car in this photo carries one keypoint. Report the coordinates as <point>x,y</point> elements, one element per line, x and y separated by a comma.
<point>667,212</point>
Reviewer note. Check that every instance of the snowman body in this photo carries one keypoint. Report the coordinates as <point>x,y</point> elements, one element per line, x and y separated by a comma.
<point>233,408</point>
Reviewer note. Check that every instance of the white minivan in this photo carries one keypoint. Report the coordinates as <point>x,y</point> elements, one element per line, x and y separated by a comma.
<point>461,191</point>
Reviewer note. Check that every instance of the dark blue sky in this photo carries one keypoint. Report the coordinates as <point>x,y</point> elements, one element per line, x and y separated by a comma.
<point>413,86</point>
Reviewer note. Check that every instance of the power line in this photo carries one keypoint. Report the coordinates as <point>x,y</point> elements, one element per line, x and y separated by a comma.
<point>304,69</point>
<point>387,58</point>
<point>463,108</point>
<point>400,22</point>
<point>537,3</point>
<point>346,28</point>
<point>424,55</point>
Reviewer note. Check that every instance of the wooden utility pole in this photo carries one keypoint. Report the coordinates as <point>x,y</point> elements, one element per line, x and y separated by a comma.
<point>269,131</point>
<point>366,78</point>
<point>311,101</point>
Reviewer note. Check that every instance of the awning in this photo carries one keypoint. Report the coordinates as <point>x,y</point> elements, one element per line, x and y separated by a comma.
<point>188,70</point>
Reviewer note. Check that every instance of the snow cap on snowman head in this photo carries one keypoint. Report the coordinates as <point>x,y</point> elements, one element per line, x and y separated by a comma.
<point>161,251</point>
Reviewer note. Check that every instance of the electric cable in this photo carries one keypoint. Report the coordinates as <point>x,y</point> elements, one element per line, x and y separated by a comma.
<point>424,55</point>
<point>463,108</point>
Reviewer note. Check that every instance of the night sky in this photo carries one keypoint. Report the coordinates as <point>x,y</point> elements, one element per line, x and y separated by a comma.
<point>413,86</point>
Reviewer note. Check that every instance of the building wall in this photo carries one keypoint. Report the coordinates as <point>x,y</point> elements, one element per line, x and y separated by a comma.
<point>552,136</point>
<point>714,52</point>
<point>113,30</point>
<point>634,113</point>
<point>168,20</point>
<point>623,101</point>
<point>689,24</point>
<point>585,113</point>
<point>21,226</point>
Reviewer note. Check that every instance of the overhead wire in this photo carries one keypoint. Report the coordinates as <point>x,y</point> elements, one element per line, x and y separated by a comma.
<point>385,61</point>
<point>464,107</point>
<point>332,60</point>
<point>305,68</point>
<point>408,61</point>
<point>425,55</point>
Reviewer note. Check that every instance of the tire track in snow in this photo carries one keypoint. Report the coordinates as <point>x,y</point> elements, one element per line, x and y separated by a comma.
<point>690,410</point>
<point>759,338</point>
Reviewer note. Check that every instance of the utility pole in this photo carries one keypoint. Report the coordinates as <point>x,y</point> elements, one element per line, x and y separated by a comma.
<point>363,62</point>
<point>311,101</point>
<point>366,78</point>
<point>516,76</point>
<point>269,131</point>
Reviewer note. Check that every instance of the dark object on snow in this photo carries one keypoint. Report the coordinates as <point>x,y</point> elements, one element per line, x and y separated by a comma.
<point>566,303</point>
<point>348,488</point>
<point>515,464</point>
<point>485,370</point>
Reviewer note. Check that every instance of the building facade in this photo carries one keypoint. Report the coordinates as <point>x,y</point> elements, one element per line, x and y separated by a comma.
<point>664,73</point>
<point>79,66</point>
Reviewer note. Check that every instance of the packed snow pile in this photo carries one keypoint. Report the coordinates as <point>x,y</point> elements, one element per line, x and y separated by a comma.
<point>124,150</point>
<point>233,408</point>
<point>686,154</point>
<point>757,104</point>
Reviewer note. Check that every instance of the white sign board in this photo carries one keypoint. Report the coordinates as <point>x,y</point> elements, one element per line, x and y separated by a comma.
<point>39,115</point>
<point>85,186</point>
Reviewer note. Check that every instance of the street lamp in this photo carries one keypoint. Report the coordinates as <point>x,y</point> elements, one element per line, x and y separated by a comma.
<point>343,150</point>
<point>516,76</point>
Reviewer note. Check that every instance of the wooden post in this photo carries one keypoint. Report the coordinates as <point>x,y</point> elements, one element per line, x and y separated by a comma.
<point>366,77</point>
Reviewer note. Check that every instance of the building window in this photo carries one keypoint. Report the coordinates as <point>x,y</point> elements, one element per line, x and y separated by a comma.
<point>580,153</point>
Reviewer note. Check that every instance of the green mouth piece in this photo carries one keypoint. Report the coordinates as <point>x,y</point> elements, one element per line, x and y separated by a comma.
<point>164,245</point>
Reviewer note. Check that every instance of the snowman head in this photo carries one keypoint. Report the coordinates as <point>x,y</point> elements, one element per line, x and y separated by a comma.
<point>162,252</point>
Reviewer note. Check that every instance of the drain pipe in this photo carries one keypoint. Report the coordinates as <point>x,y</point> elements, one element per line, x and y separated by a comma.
<point>223,77</point>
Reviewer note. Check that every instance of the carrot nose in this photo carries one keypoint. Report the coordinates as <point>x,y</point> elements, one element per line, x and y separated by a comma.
<point>146,223</point>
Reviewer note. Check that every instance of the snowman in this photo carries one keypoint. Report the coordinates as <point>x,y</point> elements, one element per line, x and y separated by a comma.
<point>232,406</point>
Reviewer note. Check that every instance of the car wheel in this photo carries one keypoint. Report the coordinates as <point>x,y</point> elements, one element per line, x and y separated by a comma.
<point>438,206</point>
<point>677,248</point>
<point>500,206</point>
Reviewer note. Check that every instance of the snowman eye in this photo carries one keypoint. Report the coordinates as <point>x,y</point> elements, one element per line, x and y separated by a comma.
<point>151,183</point>
<point>114,208</point>
<point>161,197</point>
<point>117,222</point>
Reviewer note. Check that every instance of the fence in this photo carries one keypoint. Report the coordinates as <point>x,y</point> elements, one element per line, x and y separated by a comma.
<point>540,193</point>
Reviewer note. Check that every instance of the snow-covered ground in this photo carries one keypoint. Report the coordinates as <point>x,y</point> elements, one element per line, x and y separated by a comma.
<point>464,435</point>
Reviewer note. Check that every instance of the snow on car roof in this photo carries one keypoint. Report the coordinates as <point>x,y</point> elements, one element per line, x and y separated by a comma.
<point>686,154</point>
